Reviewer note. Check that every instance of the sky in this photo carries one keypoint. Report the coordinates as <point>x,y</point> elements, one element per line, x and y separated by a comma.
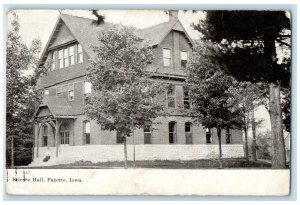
<point>40,23</point>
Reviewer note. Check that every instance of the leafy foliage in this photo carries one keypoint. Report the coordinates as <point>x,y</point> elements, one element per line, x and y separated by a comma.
<point>245,37</point>
<point>124,93</point>
<point>20,95</point>
<point>213,102</point>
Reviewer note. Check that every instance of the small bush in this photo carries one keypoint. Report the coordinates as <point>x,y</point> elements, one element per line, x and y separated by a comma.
<point>46,159</point>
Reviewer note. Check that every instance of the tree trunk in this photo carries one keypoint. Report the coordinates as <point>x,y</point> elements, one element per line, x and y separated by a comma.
<point>246,145</point>
<point>133,142</point>
<point>125,152</point>
<point>278,148</point>
<point>253,145</point>
<point>12,161</point>
<point>220,148</point>
<point>133,150</point>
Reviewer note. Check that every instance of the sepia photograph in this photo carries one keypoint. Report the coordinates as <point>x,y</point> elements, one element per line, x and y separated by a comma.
<point>95,95</point>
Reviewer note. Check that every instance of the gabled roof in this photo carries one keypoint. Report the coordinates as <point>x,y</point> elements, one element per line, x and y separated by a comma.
<point>58,106</point>
<point>86,32</point>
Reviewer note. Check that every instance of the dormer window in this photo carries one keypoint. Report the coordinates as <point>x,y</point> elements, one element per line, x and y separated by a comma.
<point>167,57</point>
<point>66,57</point>
<point>53,60</point>
<point>79,54</point>
<point>60,58</point>
<point>183,58</point>
<point>71,55</point>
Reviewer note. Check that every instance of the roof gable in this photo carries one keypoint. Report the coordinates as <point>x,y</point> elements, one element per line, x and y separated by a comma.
<point>56,106</point>
<point>63,36</point>
<point>86,33</point>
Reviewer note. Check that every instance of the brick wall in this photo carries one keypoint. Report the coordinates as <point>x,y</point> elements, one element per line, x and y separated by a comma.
<point>103,153</point>
<point>177,42</point>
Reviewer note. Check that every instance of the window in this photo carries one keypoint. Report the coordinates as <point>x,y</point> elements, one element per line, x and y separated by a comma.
<point>65,88</point>
<point>183,58</point>
<point>71,55</point>
<point>87,87</point>
<point>79,54</point>
<point>172,132</point>
<point>60,58</point>
<point>167,57</point>
<point>59,90</point>
<point>208,135</point>
<point>228,136</point>
<point>71,92</point>
<point>86,132</point>
<point>119,138</point>
<point>188,133</point>
<point>186,99</point>
<point>147,133</point>
<point>46,92</point>
<point>66,57</point>
<point>45,135</point>
<point>53,60</point>
<point>64,137</point>
<point>171,96</point>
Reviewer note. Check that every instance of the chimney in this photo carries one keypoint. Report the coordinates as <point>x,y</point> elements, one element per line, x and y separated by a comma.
<point>173,15</point>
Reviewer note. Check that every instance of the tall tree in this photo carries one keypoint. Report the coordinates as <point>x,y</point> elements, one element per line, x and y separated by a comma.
<point>20,95</point>
<point>249,44</point>
<point>249,97</point>
<point>125,97</point>
<point>214,103</point>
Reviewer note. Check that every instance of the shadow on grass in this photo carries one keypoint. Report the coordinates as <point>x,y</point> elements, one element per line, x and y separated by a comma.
<point>236,163</point>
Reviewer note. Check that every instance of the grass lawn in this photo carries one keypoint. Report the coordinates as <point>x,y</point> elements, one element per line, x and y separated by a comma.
<point>235,163</point>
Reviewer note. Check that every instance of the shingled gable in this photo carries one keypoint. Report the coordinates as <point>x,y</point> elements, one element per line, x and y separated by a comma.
<point>86,33</point>
<point>56,106</point>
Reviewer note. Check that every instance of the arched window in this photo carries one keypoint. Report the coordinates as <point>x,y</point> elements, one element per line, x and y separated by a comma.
<point>208,135</point>
<point>45,135</point>
<point>147,133</point>
<point>228,136</point>
<point>87,131</point>
<point>188,133</point>
<point>172,132</point>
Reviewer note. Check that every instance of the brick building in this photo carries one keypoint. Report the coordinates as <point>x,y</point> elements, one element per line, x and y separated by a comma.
<point>65,134</point>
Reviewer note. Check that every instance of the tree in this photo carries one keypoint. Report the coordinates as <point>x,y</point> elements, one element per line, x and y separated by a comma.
<point>125,97</point>
<point>249,98</point>
<point>20,96</point>
<point>249,41</point>
<point>214,105</point>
